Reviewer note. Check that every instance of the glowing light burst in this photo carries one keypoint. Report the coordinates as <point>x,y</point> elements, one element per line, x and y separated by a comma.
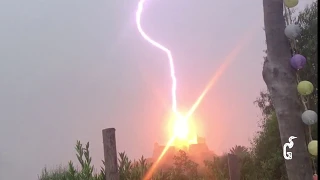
<point>173,89</point>
<point>182,121</point>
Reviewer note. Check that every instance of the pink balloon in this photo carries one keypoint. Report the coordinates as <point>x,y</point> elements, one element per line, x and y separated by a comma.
<point>315,177</point>
<point>298,61</point>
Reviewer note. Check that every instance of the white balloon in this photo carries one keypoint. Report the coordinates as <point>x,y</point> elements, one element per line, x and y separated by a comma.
<point>309,117</point>
<point>292,31</point>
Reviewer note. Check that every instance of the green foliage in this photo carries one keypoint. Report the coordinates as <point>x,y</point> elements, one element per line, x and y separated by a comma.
<point>218,167</point>
<point>135,170</point>
<point>264,161</point>
<point>307,45</point>
<point>265,104</point>
<point>240,151</point>
<point>71,173</point>
<point>58,173</point>
<point>184,168</point>
<point>267,151</point>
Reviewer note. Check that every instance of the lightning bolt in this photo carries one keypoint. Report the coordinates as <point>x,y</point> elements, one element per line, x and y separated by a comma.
<point>227,61</point>
<point>173,79</point>
<point>166,50</point>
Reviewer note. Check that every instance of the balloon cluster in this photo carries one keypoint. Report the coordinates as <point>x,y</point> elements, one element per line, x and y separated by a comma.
<point>305,88</point>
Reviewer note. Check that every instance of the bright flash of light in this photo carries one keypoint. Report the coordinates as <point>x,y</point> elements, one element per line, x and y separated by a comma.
<point>184,131</point>
<point>173,89</point>
<point>181,126</point>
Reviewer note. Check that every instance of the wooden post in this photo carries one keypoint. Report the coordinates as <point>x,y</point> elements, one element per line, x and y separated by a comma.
<point>110,154</point>
<point>234,169</point>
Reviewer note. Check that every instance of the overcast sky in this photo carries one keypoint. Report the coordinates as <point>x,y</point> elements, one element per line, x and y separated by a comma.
<point>70,68</point>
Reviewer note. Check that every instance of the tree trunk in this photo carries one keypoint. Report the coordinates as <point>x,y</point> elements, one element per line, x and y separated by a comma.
<point>110,154</point>
<point>281,82</point>
<point>233,165</point>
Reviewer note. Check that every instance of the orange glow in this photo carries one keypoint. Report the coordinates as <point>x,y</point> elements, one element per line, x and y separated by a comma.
<point>184,132</point>
<point>155,164</point>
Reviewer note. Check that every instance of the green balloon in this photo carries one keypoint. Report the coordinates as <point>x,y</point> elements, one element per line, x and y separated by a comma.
<point>313,147</point>
<point>305,88</point>
<point>291,3</point>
